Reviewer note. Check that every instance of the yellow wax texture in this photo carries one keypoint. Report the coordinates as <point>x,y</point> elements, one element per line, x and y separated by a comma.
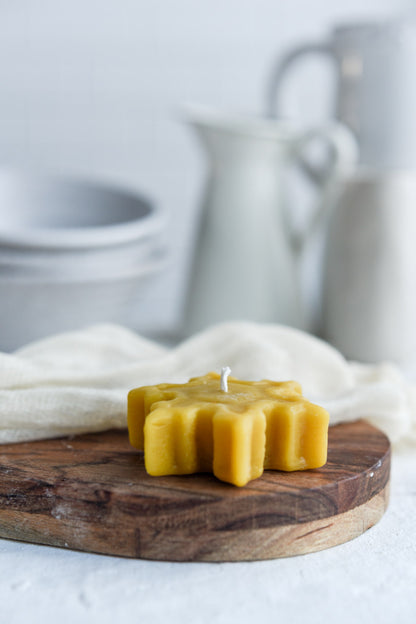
<point>197,427</point>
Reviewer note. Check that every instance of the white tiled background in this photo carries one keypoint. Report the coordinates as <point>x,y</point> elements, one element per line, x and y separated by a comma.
<point>96,87</point>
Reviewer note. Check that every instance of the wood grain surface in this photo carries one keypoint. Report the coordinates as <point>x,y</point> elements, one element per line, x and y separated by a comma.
<point>92,493</point>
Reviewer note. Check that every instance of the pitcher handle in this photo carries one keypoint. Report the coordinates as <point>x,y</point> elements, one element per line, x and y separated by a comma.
<point>285,64</point>
<point>343,151</point>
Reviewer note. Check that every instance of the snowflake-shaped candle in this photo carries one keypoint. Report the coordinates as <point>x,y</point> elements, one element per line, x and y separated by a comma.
<point>232,428</point>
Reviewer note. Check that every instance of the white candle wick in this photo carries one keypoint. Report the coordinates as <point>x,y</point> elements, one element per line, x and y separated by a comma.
<point>224,375</point>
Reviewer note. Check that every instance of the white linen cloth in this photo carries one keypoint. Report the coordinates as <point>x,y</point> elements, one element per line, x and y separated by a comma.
<point>78,381</point>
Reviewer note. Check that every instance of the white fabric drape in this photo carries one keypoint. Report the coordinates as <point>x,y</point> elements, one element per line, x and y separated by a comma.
<point>78,382</point>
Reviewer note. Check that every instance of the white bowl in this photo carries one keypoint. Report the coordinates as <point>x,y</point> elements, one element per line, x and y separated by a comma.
<point>80,263</point>
<point>34,309</point>
<point>71,254</point>
<point>59,213</point>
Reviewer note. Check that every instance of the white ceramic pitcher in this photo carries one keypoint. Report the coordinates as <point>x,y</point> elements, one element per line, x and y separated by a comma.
<point>369,297</point>
<point>245,258</point>
<point>374,86</point>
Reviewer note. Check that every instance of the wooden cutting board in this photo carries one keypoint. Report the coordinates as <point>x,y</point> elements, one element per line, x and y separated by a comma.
<point>92,493</point>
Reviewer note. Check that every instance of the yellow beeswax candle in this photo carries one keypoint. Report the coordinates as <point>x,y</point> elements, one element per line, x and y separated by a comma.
<point>235,429</point>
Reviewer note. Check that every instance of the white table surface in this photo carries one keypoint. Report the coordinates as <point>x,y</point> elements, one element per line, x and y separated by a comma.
<point>370,579</point>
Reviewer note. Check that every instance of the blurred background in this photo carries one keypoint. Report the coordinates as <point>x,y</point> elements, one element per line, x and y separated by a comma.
<point>98,88</point>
